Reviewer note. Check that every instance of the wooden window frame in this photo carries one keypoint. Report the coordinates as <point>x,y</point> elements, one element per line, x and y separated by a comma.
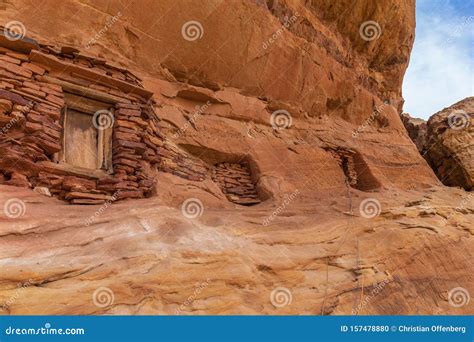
<point>88,106</point>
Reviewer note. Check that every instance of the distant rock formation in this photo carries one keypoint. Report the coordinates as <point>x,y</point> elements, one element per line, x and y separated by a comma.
<point>449,147</point>
<point>417,130</point>
<point>446,141</point>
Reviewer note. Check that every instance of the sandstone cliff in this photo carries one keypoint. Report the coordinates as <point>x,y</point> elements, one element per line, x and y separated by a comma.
<point>305,100</point>
<point>446,142</point>
<point>450,144</point>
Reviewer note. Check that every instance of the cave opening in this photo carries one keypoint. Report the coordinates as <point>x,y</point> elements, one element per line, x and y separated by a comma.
<point>356,172</point>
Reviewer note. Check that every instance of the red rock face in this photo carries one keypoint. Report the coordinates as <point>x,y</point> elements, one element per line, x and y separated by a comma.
<point>326,79</point>
<point>296,102</point>
<point>310,55</point>
<point>450,144</point>
<point>417,130</point>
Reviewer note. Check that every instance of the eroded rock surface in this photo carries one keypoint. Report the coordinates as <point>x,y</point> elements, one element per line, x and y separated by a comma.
<point>417,130</point>
<point>296,93</point>
<point>450,144</point>
<point>145,257</point>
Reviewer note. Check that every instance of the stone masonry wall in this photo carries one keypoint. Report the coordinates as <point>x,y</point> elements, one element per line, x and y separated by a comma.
<point>31,101</point>
<point>236,183</point>
<point>33,80</point>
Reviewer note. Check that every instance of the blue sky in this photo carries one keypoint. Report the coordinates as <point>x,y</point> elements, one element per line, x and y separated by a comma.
<point>441,64</point>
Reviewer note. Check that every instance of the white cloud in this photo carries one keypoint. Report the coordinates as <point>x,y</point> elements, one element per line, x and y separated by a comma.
<point>441,67</point>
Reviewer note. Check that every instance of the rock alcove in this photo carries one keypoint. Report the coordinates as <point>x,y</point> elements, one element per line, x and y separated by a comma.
<point>356,171</point>
<point>235,181</point>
